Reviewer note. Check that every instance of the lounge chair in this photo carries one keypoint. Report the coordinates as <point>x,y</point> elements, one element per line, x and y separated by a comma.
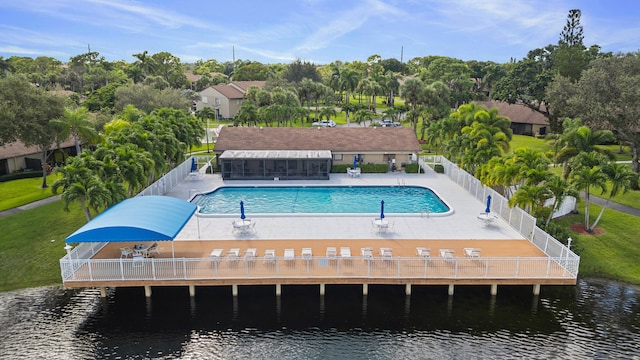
<point>269,256</point>
<point>153,249</point>
<point>250,254</point>
<point>386,253</point>
<point>423,253</point>
<point>446,254</point>
<point>233,254</point>
<point>331,252</point>
<point>345,252</point>
<point>215,254</point>
<point>289,254</point>
<point>472,253</point>
<point>307,253</point>
<point>366,253</point>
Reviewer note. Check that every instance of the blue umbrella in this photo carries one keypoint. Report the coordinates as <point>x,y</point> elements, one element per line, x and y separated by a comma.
<point>242,210</point>
<point>488,209</point>
<point>193,164</point>
<point>382,209</point>
<point>355,161</point>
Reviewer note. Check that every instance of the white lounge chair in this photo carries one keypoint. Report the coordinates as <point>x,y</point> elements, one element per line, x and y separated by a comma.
<point>250,254</point>
<point>153,249</point>
<point>423,253</point>
<point>289,254</point>
<point>345,252</point>
<point>366,253</point>
<point>472,253</point>
<point>233,254</point>
<point>307,253</point>
<point>269,256</point>
<point>446,254</point>
<point>386,253</point>
<point>331,252</point>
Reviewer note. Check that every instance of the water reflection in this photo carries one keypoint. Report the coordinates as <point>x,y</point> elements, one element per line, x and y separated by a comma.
<point>593,319</point>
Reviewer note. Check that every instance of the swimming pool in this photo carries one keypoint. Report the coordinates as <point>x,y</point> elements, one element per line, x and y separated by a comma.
<point>322,200</point>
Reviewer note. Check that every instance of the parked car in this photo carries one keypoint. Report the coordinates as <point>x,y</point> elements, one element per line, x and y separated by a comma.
<point>324,123</point>
<point>389,123</point>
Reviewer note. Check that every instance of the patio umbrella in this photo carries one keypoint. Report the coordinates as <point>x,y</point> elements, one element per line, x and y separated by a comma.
<point>382,209</point>
<point>355,161</point>
<point>488,209</point>
<point>242,210</point>
<point>193,164</point>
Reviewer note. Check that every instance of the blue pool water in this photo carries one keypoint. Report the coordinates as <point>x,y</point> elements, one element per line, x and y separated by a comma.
<point>321,200</point>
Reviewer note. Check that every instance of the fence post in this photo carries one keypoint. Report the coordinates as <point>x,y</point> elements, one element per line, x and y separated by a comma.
<point>518,267</point>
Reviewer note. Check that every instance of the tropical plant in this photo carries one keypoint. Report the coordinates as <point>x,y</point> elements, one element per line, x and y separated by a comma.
<point>77,124</point>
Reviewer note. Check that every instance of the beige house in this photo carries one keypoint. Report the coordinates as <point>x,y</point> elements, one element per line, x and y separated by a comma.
<point>309,153</point>
<point>524,121</point>
<point>15,157</point>
<point>225,99</point>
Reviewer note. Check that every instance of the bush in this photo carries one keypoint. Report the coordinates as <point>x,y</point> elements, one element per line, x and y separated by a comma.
<point>364,168</point>
<point>412,169</point>
<point>21,175</point>
<point>438,168</point>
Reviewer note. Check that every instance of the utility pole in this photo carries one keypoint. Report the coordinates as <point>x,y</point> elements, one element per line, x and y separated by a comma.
<point>401,52</point>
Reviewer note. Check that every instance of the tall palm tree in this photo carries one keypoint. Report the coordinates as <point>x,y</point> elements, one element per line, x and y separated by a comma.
<point>145,63</point>
<point>587,174</point>
<point>531,198</point>
<point>579,139</point>
<point>348,82</point>
<point>77,124</point>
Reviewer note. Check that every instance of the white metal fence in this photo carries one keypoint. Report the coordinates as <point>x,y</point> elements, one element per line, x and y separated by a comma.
<point>169,180</point>
<point>524,223</point>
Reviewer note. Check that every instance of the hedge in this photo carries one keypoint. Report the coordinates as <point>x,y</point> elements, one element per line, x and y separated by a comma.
<point>21,175</point>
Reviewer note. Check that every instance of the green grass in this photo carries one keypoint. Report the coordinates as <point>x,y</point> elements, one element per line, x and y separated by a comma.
<point>530,142</point>
<point>28,257</point>
<point>24,191</point>
<point>614,253</point>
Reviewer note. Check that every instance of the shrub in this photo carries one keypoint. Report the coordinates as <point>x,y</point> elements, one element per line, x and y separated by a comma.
<point>412,169</point>
<point>21,175</point>
<point>438,168</point>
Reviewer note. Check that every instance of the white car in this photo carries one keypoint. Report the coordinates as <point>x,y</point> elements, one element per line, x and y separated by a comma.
<point>324,123</point>
<point>389,123</point>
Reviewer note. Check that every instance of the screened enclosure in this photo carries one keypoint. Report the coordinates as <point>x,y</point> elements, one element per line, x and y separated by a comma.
<point>272,165</point>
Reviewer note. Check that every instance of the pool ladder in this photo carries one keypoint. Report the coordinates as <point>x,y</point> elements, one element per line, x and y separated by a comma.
<point>401,182</point>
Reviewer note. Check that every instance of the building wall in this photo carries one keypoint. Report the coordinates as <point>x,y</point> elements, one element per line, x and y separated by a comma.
<point>212,98</point>
<point>371,158</point>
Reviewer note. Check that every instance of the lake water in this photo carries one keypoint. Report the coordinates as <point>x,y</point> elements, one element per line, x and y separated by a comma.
<point>595,319</point>
<point>321,200</point>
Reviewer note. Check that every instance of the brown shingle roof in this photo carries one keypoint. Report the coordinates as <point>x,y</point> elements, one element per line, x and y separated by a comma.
<point>245,85</point>
<point>229,92</point>
<point>344,139</point>
<point>517,113</point>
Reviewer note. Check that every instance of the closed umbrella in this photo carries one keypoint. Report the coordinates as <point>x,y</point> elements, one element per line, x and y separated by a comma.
<point>382,209</point>
<point>242,210</point>
<point>193,164</point>
<point>488,209</point>
<point>355,161</point>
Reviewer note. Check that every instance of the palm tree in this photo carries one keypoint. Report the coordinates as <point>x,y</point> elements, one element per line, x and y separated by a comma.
<point>586,174</point>
<point>531,198</point>
<point>579,139</point>
<point>620,176</point>
<point>560,189</point>
<point>348,81</point>
<point>145,63</point>
<point>206,114</point>
<point>362,114</point>
<point>79,184</point>
<point>77,124</point>
<point>327,112</point>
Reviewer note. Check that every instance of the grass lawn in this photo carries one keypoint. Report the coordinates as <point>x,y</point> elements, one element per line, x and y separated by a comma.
<point>530,142</point>
<point>20,192</point>
<point>28,257</point>
<point>614,253</point>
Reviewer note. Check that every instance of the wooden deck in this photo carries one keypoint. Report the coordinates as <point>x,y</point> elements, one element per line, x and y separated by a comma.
<point>504,262</point>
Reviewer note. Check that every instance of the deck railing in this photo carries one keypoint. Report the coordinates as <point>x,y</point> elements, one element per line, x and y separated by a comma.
<point>174,177</point>
<point>317,268</point>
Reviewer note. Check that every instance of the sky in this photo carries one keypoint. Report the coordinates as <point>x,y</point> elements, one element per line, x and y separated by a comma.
<point>319,31</point>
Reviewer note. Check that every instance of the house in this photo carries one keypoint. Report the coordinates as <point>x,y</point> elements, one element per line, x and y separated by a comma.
<point>226,99</point>
<point>524,121</point>
<point>308,153</point>
<point>15,157</point>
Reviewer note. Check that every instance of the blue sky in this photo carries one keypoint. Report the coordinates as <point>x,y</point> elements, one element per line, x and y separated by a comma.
<point>321,31</point>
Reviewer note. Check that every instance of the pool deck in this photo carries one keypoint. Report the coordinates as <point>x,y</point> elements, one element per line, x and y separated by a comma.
<point>463,224</point>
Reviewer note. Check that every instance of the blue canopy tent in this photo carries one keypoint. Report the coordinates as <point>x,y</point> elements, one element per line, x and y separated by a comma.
<point>142,218</point>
